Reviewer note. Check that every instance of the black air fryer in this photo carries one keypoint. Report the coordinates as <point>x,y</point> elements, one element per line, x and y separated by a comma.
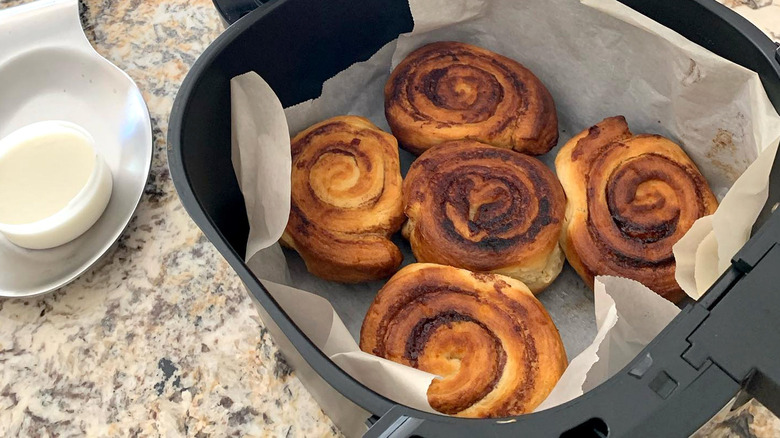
<point>726,343</point>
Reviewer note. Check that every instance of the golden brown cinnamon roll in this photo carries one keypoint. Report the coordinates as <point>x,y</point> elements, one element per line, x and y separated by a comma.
<point>492,342</point>
<point>450,91</point>
<point>485,209</point>
<point>630,199</point>
<point>346,200</point>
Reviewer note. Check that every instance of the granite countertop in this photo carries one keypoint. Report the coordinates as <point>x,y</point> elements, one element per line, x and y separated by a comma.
<point>161,338</point>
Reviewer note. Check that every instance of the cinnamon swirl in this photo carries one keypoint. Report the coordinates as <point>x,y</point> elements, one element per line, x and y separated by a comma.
<point>450,91</point>
<point>346,200</point>
<point>492,342</point>
<point>630,199</point>
<point>485,209</point>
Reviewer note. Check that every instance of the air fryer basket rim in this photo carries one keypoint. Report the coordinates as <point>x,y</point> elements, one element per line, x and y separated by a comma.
<point>342,382</point>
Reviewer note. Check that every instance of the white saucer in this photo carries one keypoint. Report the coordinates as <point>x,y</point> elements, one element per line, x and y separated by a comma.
<point>49,71</point>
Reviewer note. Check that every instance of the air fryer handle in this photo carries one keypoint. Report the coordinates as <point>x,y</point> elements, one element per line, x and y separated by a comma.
<point>232,10</point>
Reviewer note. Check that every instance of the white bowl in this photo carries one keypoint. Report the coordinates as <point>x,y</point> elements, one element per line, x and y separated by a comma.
<point>49,71</point>
<point>81,211</point>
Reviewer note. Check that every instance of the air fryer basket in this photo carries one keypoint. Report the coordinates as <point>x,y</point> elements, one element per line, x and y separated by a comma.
<point>725,342</point>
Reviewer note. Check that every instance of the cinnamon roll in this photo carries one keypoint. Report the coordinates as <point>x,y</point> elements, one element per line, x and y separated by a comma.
<point>450,91</point>
<point>485,209</point>
<point>492,342</point>
<point>630,199</point>
<point>346,200</point>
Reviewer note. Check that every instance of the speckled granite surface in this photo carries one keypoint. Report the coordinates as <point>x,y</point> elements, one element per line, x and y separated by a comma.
<point>765,14</point>
<point>161,339</point>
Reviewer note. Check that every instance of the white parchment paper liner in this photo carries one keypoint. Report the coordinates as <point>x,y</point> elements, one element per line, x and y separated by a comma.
<point>598,59</point>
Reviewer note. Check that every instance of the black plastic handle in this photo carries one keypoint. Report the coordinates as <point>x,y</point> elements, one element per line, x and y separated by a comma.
<point>232,10</point>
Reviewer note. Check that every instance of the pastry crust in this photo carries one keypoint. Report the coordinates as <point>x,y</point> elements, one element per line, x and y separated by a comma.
<point>492,342</point>
<point>630,199</point>
<point>485,209</point>
<point>346,200</point>
<point>450,91</point>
